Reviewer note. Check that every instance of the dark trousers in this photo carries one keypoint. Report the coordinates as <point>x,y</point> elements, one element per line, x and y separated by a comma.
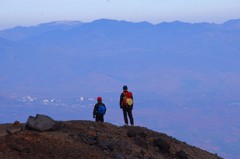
<point>99,118</point>
<point>127,112</point>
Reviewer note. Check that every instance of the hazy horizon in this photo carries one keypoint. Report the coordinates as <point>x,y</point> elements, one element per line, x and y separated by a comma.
<point>28,12</point>
<point>79,21</point>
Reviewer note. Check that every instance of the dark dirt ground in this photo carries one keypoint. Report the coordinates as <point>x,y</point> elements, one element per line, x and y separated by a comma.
<point>91,140</point>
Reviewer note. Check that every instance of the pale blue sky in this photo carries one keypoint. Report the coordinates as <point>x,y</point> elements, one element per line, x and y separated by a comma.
<point>32,12</point>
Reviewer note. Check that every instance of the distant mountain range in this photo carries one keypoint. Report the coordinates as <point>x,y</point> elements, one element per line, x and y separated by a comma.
<point>154,60</point>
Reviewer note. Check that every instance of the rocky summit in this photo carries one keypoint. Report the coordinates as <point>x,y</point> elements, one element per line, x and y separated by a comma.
<point>90,140</point>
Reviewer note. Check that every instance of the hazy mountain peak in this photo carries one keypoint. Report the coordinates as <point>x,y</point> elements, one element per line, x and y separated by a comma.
<point>109,21</point>
<point>19,32</point>
<point>66,23</point>
<point>235,23</point>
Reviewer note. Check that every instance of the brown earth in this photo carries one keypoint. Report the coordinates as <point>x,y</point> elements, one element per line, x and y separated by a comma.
<point>91,140</point>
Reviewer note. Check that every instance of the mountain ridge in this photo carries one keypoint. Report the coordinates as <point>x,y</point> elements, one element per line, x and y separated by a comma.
<point>84,139</point>
<point>66,25</point>
<point>170,46</point>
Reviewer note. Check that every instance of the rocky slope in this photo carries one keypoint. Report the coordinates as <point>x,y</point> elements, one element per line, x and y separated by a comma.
<point>90,140</point>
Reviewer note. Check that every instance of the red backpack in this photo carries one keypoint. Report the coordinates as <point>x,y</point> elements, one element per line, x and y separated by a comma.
<point>127,99</point>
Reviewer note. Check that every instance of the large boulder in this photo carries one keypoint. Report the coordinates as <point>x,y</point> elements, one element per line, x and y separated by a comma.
<point>40,123</point>
<point>181,155</point>
<point>163,146</point>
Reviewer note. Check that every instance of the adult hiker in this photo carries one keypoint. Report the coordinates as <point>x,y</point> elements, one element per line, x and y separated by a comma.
<point>126,104</point>
<point>99,110</point>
